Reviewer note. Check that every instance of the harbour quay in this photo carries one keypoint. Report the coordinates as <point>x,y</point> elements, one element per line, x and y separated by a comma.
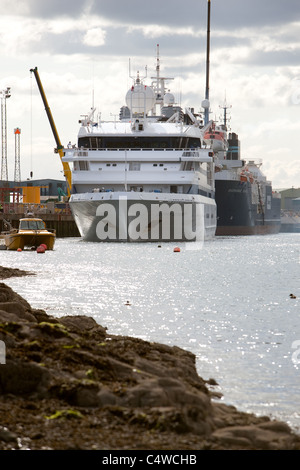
<point>56,216</point>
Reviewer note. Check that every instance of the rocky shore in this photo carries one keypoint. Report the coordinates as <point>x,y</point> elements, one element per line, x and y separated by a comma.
<point>68,384</point>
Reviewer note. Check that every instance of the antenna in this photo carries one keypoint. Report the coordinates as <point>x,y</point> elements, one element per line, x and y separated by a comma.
<point>225,107</point>
<point>139,79</point>
<point>158,84</point>
<point>206,110</point>
<point>93,83</point>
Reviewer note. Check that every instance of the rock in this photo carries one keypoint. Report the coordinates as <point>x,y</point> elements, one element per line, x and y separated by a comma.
<point>21,378</point>
<point>18,310</point>
<point>8,295</point>
<point>270,437</point>
<point>7,436</point>
<point>13,272</point>
<point>69,384</point>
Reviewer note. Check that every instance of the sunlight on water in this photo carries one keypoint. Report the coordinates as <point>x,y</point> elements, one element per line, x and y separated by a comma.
<point>228,303</point>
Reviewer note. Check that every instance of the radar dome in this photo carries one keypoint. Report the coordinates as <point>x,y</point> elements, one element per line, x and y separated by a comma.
<point>140,99</point>
<point>169,99</point>
<point>205,104</point>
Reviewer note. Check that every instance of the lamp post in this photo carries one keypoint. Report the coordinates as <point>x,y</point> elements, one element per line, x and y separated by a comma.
<point>4,95</point>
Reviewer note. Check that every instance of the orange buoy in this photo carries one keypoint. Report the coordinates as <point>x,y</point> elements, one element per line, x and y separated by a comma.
<point>19,249</point>
<point>176,249</point>
<point>40,249</point>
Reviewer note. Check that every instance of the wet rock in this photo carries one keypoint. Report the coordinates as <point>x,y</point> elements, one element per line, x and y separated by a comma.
<point>13,272</point>
<point>21,378</point>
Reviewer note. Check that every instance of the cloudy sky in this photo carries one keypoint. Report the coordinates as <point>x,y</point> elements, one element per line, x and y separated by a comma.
<point>82,50</point>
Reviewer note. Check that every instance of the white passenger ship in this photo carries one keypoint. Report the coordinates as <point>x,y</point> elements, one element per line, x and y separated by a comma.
<point>146,177</point>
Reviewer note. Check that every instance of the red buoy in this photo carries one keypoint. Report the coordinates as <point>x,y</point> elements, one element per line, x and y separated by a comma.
<point>176,249</point>
<point>45,246</point>
<point>19,249</point>
<point>40,249</point>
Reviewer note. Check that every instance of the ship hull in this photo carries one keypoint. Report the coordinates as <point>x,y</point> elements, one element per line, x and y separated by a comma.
<point>15,241</point>
<point>143,217</point>
<point>237,215</point>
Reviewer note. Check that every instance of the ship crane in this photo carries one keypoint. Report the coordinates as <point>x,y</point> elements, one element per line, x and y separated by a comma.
<point>59,149</point>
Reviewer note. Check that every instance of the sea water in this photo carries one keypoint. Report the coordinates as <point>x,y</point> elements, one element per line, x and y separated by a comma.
<point>228,302</point>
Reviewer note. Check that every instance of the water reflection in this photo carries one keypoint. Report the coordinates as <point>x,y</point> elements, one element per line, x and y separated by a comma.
<point>228,303</point>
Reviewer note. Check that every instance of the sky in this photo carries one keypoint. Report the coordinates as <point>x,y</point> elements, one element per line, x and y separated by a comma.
<point>83,49</point>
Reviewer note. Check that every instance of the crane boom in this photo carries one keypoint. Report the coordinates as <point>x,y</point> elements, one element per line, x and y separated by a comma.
<point>66,167</point>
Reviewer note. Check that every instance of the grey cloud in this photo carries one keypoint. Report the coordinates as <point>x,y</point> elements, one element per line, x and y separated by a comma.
<point>118,42</point>
<point>229,14</point>
<point>54,8</point>
<point>135,12</point>
<point>225,14</point>
<point>244,13</point>
<point>274,58</point>
<point>121,41</point>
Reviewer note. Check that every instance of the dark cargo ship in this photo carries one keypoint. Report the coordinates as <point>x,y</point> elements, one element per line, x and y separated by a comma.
<point>246,202</point>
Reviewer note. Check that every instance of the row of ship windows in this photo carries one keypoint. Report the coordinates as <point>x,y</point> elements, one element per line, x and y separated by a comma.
<point>139,142</point>
<point>135,164</point>
<point>84,166</point>
<point>132,166</point>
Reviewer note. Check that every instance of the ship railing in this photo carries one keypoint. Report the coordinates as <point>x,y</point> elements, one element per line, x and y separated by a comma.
<point>84,152</point>
<point>179,153</point>
<point>254,161</point>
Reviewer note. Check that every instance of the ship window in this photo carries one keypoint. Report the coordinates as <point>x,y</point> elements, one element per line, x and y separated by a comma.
<point>84,142</point>
<point>154,164</point>
<point>32,225</point>
<point>107,164</point>
<point>134,166</point>
<point>139,142</point>
<point>83,166</point>
<point>133,142</point>
<point>193,143</point>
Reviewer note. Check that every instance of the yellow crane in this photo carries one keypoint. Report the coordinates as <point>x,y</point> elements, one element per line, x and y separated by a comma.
<point>66,167</point>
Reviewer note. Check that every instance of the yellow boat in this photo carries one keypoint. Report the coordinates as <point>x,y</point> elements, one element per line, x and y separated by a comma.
<point>31,233</point>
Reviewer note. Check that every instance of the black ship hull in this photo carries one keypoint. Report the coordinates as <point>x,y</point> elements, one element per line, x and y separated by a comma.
<point>238,215</point>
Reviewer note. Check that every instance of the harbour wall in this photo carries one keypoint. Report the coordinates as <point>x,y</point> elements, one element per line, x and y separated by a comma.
<point>55,216</point>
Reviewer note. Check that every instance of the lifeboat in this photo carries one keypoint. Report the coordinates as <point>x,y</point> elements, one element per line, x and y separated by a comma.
<point>215,138</point>
<point>246,175</point>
